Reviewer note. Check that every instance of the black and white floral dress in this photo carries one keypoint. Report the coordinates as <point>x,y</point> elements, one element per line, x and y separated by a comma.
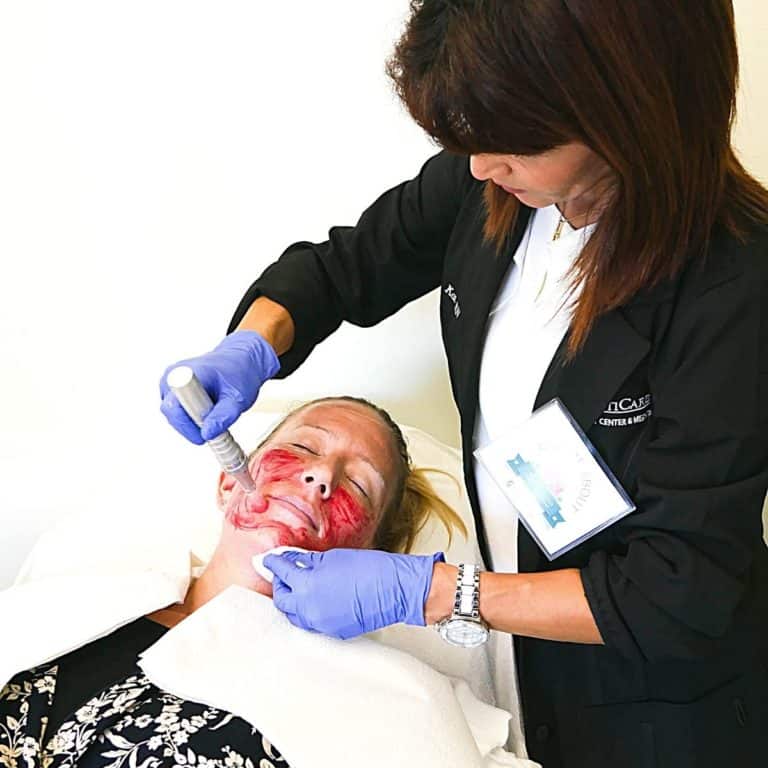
<point>112,716</point>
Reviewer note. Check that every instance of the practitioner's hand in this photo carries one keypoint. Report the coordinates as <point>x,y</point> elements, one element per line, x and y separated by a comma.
<point>232,374</point>
<point>347,592</point>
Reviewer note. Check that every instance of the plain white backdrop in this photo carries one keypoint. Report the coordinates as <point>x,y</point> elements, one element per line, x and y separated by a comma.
<point>154,158</point>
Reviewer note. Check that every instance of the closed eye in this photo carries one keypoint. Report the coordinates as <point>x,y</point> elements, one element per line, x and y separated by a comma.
<point>359,488</point>
<point>304,448</point>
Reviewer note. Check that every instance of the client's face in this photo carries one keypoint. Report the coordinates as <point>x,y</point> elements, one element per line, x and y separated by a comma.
<point>322,481</point>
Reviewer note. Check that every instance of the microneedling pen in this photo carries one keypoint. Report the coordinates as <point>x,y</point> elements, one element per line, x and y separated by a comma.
<point>196,402</point>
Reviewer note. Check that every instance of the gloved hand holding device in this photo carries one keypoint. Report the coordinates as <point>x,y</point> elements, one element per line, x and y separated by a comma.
<point>348,592</point>
<point>232,374</point>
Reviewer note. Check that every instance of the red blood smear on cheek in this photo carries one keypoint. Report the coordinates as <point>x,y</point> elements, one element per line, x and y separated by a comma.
<point>242,518</point>
<point>279,464</point>
<point>275,465</point>
<point>348,522</point>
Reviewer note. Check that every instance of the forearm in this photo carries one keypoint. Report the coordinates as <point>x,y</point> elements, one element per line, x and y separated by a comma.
<point>549,605</point>
<point>272,321</point>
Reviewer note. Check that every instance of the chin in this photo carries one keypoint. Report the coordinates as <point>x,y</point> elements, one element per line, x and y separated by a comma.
<point>532,201</point>
<point>264,538</point>
<point>258,539</point>
<point>276,534</point>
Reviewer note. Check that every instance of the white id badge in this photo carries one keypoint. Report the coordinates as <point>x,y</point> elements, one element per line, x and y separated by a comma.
<point>563,491</point>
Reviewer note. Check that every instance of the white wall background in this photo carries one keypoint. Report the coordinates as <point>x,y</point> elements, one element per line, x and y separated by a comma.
<point>154,157</point>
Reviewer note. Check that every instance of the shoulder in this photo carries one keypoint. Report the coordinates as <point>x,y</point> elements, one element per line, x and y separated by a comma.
<point>742,260</point>
<point>711,339</point>
<point>449,170</point>
<point>725,289</point>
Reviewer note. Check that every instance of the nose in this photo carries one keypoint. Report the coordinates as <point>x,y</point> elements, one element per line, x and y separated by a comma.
<point>482,167</point>
<point>320,480</point>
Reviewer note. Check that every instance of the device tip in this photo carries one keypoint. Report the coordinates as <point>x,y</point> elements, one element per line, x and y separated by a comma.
<point>243,477</point>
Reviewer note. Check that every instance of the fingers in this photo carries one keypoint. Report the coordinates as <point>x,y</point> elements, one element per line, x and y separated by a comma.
<point>284,599</point>
<point>289,566</point>
<point>290,569</point>
<point>220,418</point>
<point>171,408</point>
<point>297,622</point>
<point>303,559</point>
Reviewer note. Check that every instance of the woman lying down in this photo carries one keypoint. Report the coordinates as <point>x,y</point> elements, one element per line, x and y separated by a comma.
<point>334,473</point>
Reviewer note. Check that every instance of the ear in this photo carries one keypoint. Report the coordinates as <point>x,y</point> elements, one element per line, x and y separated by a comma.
<point>224,489</point>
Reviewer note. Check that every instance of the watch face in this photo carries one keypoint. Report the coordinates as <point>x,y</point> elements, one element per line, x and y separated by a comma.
<point>467,634</point>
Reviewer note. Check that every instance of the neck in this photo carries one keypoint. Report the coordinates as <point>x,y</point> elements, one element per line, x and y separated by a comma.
<point>586,207</point>
<point>577,221</point>
<point>221,572</point>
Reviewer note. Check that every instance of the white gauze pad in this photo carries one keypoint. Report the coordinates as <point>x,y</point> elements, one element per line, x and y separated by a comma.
<point>262,570</point>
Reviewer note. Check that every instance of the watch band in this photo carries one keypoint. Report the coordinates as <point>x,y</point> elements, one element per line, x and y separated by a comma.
<point>464,626</point>
<point>466,604</point>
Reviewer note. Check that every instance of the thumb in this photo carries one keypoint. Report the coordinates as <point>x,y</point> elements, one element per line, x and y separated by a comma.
<point>220,418</point>
<point>283,598</point>
<point>177,417</point>
<point>290,565</point>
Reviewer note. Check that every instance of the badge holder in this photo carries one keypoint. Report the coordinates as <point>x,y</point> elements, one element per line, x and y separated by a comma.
<point>549,470</point>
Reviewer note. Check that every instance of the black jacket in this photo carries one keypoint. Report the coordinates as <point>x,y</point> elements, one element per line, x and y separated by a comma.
<point>679,588</point>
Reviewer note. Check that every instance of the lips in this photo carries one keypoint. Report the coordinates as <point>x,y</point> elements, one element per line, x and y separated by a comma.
<point>299,509</point>
<point>254,511</point>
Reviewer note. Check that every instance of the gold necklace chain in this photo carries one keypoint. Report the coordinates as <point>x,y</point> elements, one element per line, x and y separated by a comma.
<point>559,228</point>
<point>555,236</point>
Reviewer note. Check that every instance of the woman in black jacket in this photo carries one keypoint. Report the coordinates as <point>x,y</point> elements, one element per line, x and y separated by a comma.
<point>595,239</point>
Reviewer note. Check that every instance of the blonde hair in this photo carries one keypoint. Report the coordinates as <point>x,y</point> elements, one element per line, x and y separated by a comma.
<point>402,522</point>
<point>414,501</point>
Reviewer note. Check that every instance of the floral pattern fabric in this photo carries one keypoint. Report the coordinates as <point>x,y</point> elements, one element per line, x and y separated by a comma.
<point>131,724</point>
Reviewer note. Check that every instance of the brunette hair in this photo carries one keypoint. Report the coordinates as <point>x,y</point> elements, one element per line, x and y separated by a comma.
<point>649,85</point>
<point>414,501</point>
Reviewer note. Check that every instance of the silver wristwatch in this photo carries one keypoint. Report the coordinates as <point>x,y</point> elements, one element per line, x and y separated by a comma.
<point>464,627</point>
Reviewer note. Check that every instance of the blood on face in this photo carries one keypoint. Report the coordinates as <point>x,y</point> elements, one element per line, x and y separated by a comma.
<point>343,520</point>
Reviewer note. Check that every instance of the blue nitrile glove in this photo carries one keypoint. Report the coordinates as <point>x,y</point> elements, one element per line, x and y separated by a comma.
<point>232,374</point>
<point>347,592</point>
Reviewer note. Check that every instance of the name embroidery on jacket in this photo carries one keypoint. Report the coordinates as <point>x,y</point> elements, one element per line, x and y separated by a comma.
<point>627,411</point>
<point>450,292</point>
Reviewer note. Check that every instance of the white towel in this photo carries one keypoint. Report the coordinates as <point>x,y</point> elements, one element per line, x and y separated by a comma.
<point>324,702</point>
